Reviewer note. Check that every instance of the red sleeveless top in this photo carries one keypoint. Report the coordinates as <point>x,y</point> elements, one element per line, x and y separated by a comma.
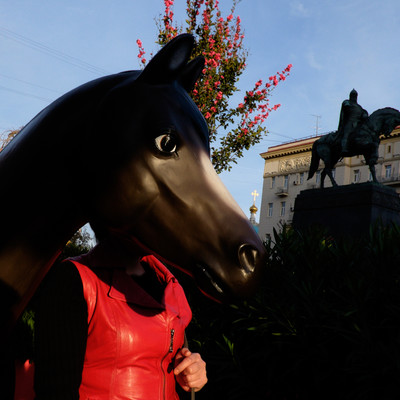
<point>132,338</point>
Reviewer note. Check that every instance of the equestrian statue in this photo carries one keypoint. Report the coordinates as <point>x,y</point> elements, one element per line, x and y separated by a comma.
<point>357,134</point>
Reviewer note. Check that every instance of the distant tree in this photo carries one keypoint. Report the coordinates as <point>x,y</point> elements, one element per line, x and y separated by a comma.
<point>80,243</point>
<point>233,129</point>
<point>6,137</point>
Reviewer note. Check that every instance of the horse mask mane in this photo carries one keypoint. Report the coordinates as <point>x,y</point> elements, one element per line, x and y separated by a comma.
<point>129,151</point>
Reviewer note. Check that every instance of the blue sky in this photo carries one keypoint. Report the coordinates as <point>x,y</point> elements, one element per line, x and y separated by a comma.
<point>333,46</point>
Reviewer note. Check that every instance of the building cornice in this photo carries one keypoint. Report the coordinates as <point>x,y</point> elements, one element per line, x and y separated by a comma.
<point>395,133</point>
<point>295,147</point>
<point>305,145</point>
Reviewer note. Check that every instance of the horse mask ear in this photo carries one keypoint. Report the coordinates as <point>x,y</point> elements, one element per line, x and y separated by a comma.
<point>191,73</point>
<point>171,63</point>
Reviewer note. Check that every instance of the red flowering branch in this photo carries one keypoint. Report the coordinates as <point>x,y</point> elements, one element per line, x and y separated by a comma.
<point>220,40</point>
<point>141,52</point>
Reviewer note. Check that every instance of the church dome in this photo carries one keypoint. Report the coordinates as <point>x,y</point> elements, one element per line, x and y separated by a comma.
<point>253,209</point>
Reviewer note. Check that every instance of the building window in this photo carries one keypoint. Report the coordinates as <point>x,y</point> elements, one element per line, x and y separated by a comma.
<point>286,181</point>
<point>388,148</point>
<point>388,171</point>
<point>356,176</point>
<point>270,209</point>
<point>283,208</point>
<point>272,182</point>
<point>301,179</point>
<point>334,173</point>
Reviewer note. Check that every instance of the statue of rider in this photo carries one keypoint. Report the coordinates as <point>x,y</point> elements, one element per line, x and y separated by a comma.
<point>351,115</point>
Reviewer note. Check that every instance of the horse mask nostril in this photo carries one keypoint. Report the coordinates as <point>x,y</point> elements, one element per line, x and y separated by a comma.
<point>248,257</point>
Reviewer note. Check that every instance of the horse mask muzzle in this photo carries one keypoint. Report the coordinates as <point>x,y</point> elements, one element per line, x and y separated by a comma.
<point>166,196</point>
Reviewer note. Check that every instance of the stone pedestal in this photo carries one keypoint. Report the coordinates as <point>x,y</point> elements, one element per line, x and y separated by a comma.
<point>347,210</point>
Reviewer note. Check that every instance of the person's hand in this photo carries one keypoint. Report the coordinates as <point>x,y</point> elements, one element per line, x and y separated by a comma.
<point>190,370</point>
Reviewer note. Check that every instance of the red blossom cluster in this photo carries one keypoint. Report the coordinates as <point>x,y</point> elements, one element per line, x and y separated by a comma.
<point>169,30</point>
<point>255,108</point>
<point>220,41</point>
<point>141,51</point>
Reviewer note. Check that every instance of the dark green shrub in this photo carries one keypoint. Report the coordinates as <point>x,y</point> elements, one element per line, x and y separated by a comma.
<point>325,323</point>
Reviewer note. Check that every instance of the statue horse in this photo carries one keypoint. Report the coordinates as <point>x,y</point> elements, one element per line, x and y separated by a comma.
<point>129,152</point>
<point>365,141</point>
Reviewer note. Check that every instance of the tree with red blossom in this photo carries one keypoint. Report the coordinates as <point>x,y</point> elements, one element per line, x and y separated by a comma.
<point>219,39</point>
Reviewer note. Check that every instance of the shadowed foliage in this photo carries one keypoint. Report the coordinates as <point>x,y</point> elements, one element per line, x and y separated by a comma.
<point>326,322</point>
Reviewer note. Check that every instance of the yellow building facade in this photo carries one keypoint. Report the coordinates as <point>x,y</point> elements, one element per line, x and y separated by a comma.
<point>286,171</point>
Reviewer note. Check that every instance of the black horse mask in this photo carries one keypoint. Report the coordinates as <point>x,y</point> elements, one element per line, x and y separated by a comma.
<point>128,151</point>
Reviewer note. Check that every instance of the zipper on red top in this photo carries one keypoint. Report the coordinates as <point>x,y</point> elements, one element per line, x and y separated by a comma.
<point>171,343</point>
<point>170,350</point>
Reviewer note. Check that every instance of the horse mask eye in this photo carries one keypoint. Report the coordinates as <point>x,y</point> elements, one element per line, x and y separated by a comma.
<point>166,143</point>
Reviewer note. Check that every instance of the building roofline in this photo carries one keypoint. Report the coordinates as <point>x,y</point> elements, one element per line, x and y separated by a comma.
<point>303,145</point>
<point>292,147</point>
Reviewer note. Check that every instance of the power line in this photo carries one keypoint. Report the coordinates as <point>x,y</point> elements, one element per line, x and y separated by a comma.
<point>266,142</point>
<point>51,52</point>
<point>26,94</point>
<point>29,83</point>
<point>280,134</point>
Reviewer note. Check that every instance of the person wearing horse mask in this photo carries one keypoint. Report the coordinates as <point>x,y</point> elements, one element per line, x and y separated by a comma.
<point>110,324</point>
<point>351,114</point>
